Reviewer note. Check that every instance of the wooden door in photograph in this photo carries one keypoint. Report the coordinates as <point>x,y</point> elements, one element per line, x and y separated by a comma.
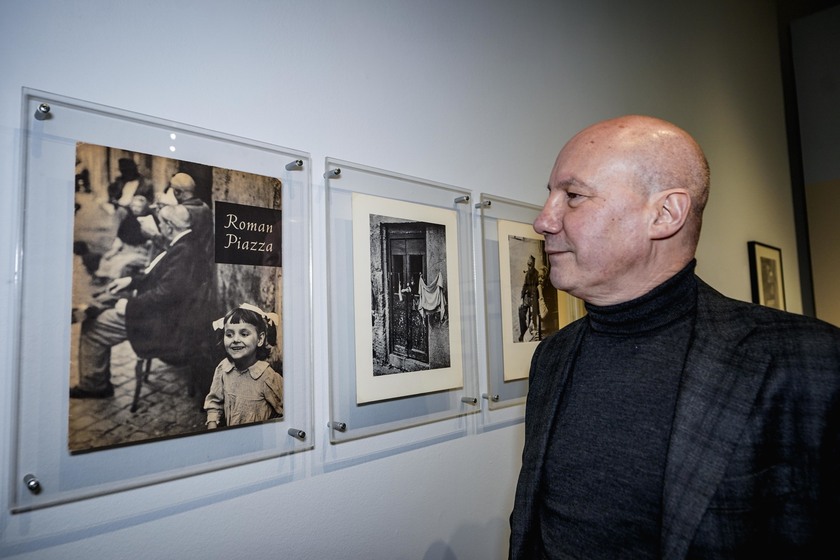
<point>408,332</point>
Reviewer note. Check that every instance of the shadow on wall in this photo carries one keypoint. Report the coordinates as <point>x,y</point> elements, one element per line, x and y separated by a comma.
<point>473,542</point>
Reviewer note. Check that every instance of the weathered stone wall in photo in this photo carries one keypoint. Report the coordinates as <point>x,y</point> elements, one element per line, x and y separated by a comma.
<point>237,284</point>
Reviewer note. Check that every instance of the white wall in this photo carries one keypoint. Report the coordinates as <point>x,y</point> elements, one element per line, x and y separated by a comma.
<point>476,94</point>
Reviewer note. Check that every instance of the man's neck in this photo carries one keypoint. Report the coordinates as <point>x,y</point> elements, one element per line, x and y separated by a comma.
<point>178,236</point>
<point>630,289</point>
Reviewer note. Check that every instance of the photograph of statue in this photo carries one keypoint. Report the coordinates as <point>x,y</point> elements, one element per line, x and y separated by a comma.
<point>532,309</point>
<point>536,308</point>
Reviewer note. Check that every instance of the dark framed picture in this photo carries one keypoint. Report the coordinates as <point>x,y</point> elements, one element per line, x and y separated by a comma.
<point>766,277</point>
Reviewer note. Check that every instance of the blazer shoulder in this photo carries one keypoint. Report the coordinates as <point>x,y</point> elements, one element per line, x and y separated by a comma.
<point>775,330</point>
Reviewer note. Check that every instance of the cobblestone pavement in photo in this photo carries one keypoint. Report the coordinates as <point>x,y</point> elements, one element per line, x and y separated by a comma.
<point>165,408</point>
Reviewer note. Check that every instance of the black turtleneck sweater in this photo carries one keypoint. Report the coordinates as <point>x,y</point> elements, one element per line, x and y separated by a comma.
<point>602,489</point>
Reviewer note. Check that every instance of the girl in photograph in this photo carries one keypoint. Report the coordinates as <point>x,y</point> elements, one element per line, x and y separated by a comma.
<point>245,388</point>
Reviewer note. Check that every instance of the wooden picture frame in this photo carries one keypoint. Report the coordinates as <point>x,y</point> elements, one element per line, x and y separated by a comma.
<point>766,275</point>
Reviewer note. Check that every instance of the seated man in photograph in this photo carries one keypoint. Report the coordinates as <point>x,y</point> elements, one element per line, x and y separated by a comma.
<point>154,310</point>
<point>183,188</point>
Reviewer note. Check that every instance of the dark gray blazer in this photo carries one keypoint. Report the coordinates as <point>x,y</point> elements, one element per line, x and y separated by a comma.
<point>753,465</point>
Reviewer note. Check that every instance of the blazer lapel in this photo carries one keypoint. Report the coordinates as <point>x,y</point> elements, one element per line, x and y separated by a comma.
<point>544,397</point>
<point>720,381</point>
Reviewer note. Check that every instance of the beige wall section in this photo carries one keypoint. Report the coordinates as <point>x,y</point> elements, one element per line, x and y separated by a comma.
<point>824,232</point>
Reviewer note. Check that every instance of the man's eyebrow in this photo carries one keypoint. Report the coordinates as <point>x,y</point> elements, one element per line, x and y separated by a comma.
<point>572,182</point>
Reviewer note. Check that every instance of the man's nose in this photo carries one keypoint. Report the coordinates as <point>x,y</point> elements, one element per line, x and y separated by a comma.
<point>549,219</point>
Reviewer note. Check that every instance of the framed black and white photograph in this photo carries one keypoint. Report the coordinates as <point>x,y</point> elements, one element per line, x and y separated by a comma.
<point>407,314</point>
<point>529,302</point>
<point>522,308</point>
<point>402,322</point>
<point>766,275</point>
<point>157,261</point>
<point>152,342</point>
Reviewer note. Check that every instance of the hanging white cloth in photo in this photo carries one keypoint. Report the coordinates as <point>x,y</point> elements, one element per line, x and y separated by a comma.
<point>432,298</point>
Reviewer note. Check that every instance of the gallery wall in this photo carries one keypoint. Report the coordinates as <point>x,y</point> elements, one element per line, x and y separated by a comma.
<point>475,94</point>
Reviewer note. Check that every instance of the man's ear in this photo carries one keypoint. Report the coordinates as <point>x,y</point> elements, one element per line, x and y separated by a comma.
<point>672,208</point>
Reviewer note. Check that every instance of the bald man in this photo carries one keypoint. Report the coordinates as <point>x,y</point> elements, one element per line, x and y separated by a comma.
<point>183,188</point>
<point>670,421</point>
<point>155,313</point>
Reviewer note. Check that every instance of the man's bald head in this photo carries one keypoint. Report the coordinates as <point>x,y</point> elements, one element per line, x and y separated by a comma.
<point>624,209</point>
<point>177,216</point>
<point>183,186</point>
<point>659,154</point>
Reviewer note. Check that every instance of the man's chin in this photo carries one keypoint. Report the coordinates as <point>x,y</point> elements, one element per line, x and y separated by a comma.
<point>560,281</point>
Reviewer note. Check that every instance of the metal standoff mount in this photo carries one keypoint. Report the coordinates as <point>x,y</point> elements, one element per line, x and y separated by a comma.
<point>494,398</point>
<point>42,113</point>
<point>299,434</point>
<point>462,199</point>
<point>483,204</point>
<point>469,400</point>
<point>338,426</point>
<point>32,483</point>
<point>332,173</point>
<point>294,165</point>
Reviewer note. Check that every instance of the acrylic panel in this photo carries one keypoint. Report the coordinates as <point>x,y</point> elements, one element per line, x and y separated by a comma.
<point>401,319</point>
<point>87,167</point>
<point>522,307</point>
